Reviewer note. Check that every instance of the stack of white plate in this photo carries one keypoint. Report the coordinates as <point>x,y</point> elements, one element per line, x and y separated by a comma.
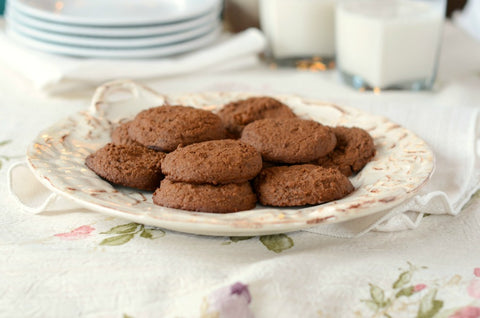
<point>114,28</point>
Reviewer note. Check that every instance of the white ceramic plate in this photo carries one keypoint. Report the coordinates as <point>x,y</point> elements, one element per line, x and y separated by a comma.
<point>403,163</point>
<point>99,43</point>
<point>114,12</point>
<point>82,51</point>
<point>118,32</point>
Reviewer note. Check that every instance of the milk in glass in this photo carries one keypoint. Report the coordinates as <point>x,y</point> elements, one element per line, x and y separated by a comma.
<point>389,43</point>
<point>299,28</point>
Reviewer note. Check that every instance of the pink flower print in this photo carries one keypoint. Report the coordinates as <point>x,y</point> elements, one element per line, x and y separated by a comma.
<point>241,290</point>
<point>476,271</point>
<point>231,301</point>
<point>77,234</point>
<point>467,312</point>
<point>474,288</point>
<point>419,287</point>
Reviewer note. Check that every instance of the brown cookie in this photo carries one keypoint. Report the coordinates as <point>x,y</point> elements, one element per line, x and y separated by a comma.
<point>290,140</point>
<point>225,198</point>
<point>238,114</point>
<point>355,148</point>
<point>166,127</point>
<point>127,165</point>
<point>216,161</point>
<point>268,164</point>
<point>120,135</point>
<point>300,185</point>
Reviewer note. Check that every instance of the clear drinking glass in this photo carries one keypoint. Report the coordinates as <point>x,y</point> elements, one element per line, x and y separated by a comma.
<point>299,30</point>
<point>389,44</point>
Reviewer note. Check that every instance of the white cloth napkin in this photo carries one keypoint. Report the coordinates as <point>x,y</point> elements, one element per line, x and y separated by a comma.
<point>54,74</point>
<point>452,132</point>
<point>469,18</point>
<point>454,135</point>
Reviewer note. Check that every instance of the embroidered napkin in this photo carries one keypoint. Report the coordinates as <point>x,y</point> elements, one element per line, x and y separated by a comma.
<point>54,74</point>
<point>452,132</point>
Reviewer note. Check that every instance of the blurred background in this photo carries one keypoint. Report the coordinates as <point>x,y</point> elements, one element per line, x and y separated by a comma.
<point>63,45</point>
<point>238,12</point>
<point>241,14</point>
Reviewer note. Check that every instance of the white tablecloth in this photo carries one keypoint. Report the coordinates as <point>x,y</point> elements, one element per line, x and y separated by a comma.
<point>75,265</point>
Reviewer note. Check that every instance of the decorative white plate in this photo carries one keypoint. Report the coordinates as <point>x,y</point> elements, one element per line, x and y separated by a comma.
<point>124,43</point>
<point>103,31</point>
<point>403,163</point>
<point>114,12</point>
<point>82,51</point>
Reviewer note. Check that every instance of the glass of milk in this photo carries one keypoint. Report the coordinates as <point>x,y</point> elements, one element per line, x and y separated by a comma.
<point>389,44</point>
<point>299,29</point>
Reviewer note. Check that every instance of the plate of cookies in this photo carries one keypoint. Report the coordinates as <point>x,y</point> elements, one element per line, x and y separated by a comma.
<point>228,163</point>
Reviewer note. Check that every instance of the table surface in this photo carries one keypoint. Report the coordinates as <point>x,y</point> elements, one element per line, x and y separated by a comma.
<point>63,264</point>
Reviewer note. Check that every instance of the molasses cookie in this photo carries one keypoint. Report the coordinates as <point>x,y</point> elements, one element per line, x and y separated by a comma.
<point>120,135</point>
<point>128,165</point>
<point>225,198</point>
<point>300,185</point>
<point>216,161</point>
<point>166,127</point>
<point>290,140</point>
<point>238,114</point>
<point>354,149</point>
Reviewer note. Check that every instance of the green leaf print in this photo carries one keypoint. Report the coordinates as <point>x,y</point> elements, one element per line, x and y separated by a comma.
<point>236,239</point>
<point>122,229</point>
<point>403,279</point>
<point>378,295</point>
<point>146,234</point>
<point>371,304</point>
<point>277,243</point>
<point>436,306</point>
<point>5,142</point>
<point>429,306</point>
<point>407,291</point>
<point>128,231</point>
<point>117,240</point>
<point>150,233</point>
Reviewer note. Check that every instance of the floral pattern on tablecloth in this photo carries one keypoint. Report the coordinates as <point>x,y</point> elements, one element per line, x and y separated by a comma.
<point>422,299</point>
<point>78,233</point>
<point>124,233</point>
<point>276,242</point>
<point>230,302</point>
